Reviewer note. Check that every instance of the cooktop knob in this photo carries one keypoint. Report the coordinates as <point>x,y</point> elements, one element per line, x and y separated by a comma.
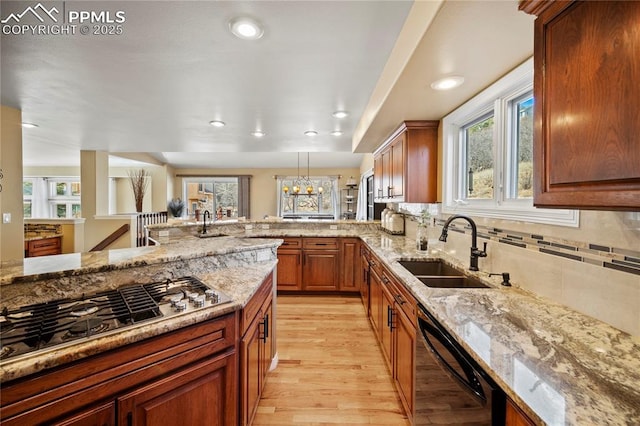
<point>192,296</point>
<point>199,302</point>
<point>211,294</point>
<point>181,306</point>
<point>175,299</point>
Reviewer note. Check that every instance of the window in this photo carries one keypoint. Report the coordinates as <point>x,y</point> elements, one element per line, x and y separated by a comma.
<point>319,204</point>
<point>51,197</point>
<point>222,196</point>
<point>488,144</point>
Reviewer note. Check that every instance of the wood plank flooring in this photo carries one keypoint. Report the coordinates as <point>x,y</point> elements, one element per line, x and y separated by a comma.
<point>331,370</point>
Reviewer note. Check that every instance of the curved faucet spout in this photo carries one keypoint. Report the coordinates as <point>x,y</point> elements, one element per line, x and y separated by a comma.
<point>204,220</point>
<point>475,252</point>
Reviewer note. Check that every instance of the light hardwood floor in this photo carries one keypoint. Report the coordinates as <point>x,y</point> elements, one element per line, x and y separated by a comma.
<point>331,370</point>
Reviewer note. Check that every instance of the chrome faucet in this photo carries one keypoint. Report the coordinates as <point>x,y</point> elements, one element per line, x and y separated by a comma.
<point>204,220</point>
<point>475,252</point>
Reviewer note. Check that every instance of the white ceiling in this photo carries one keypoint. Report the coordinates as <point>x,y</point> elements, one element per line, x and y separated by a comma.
<point>176,67</point>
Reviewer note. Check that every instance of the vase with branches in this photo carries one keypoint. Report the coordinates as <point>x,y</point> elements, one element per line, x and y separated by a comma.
<point>139,183</point>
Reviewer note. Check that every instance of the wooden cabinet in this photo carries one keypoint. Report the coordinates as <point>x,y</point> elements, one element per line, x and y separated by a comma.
<point>186,397</point>
<point>102,415</point>
<point>405,166</point>
<point>194,369</point>
<point>256,349</point>
<point>350,267</point>
<point>365,257</point>
<point>43,247</point>
<point>320,264</point>
<point>395,325</point>
<point>290,265</point>
<point>587,109</point>
<point>375,301</point>
<point>515,416</point>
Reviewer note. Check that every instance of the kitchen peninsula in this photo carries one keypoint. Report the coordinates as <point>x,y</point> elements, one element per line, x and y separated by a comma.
<point>558,366</point>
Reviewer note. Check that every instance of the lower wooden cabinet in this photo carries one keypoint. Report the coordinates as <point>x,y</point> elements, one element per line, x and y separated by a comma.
<point>196,395</point>
<point>515,416</point>
<point>102,415</point>
<point>364,277</point>
<point>174,378</point>
<point>313,264</point>
<point>256,349</point>
<point>290,265</point>
<point>43,247</point>
<point>393,316</point>
<point>320,270</point>
<point>350,267</point>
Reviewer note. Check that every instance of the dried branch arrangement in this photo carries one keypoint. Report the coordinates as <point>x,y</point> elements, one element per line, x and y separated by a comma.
<point>139,183</point>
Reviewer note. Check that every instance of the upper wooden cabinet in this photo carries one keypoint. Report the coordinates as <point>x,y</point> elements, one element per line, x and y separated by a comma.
<point>587,108</point>
<point>405,166</point>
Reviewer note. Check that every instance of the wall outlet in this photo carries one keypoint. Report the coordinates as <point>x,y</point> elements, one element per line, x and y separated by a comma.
<point>263,256</point>
<point>6,217</point>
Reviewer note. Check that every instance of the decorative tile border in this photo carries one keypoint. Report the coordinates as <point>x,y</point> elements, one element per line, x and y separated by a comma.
<point>622,260</point>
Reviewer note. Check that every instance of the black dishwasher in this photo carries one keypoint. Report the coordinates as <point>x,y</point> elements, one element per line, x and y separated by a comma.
<point>451,388</point>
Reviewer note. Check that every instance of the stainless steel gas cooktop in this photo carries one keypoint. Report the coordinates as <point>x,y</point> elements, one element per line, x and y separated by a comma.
<point>45,325</point>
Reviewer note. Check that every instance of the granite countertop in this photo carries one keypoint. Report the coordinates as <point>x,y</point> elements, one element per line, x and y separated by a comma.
<point>560,366</point>
<point>239,283</point>
<point>64,265</point>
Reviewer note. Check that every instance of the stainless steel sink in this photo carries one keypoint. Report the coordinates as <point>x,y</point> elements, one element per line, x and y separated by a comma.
<point>452,282</point>
<point>437,274</point>
<point>429,268</point>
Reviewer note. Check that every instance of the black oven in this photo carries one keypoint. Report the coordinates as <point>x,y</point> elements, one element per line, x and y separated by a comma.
<point>450,386</point>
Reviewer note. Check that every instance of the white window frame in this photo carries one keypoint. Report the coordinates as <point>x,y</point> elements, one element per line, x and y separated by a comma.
<point>497,97</point>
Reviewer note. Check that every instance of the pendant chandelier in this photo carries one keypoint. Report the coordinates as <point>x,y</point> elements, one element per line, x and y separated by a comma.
<point>302,184</point>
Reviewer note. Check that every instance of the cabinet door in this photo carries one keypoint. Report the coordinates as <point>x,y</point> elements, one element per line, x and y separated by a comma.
<point>388,324</point>
<point>103,415</point>
<point>364,283</point>
<point>404,359</point>
<point>375,301</point>
<point>289,269</point>
<point>397,166</point>
<point>350,256</point>
<point>378,184</point>
<point>515,417</point>
<point>251,369</point>
<point>197,395</point>
<point>586,128</point>
<point>267,341</point>
<point>387,183</point>
<point>320,270</point>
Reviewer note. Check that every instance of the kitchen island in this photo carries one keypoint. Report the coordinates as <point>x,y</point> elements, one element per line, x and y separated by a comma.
<point>557,365</point>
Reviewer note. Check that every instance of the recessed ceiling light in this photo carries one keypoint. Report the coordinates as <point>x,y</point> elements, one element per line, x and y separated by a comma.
<point>340,114</point>
<point>246,28</point>
<point>258,133</point>
<point>217,123</point>
<point>336,133</point>
<point>29,125</point>
<point>447,83</point>
<point>311,133</point>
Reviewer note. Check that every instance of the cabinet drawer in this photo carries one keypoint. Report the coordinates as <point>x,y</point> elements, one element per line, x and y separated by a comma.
<point>291,243</point>
<point>401,295</point>
<point>45,246</point>
<point>320,243</point>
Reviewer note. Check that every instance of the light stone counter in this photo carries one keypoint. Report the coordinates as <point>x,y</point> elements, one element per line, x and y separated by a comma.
<point>560,366</point>
<point>239,283</point>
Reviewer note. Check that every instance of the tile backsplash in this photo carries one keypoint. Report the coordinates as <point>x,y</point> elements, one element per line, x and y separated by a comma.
<point>594,269</point>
